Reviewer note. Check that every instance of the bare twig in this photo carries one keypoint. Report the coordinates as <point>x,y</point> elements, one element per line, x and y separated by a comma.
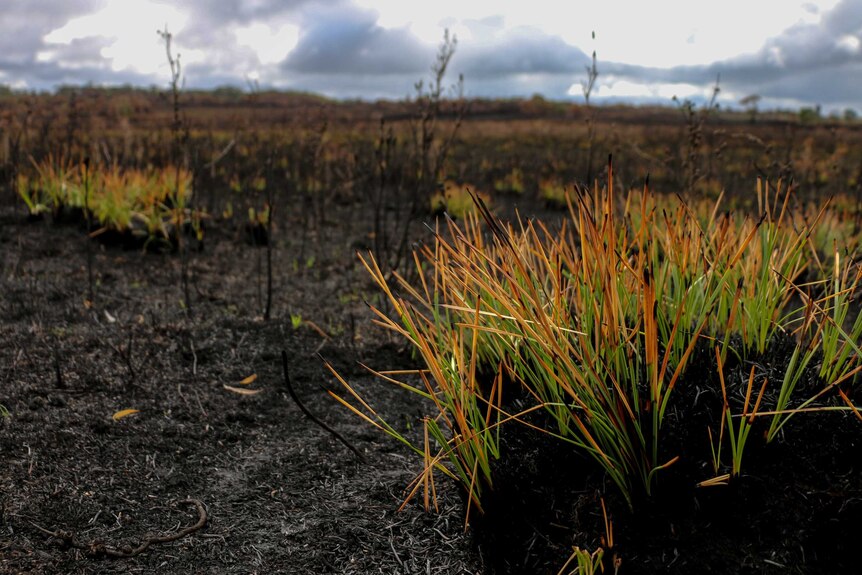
<point>310,415</point>
<point>58,371</point>
<point>99,549</point>
<point>89,223</point>
<point>126,356</point>
<point>587,86</point>
<point>179,143</point>
<point>270,206</point>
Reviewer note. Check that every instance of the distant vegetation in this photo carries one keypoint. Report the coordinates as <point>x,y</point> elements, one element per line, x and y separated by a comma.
<point>319,150</point>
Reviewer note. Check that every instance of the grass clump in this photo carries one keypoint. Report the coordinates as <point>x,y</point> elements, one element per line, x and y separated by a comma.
<point>512,182</point>
<point>120,199</point>
<point>456,199</point>
<point>553,193</point>
<point>591,327</point>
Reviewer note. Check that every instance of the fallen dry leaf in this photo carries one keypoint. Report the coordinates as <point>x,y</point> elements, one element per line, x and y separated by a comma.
<point>241,391</point>
<point>124,413</point>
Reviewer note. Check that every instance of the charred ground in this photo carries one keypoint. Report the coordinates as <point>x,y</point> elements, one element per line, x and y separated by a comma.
<point>281,495</point>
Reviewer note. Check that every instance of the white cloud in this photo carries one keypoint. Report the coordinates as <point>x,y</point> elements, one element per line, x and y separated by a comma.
<point>371,48</point>
<point>849,44</point>
<point>272,45</point>
<point>615,88</point>
<point>774,55</point>
<point>129,29</point>
<point>659,34</point>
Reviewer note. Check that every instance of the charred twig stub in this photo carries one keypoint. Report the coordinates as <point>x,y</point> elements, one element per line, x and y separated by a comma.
<point>270,206</point>
<point>58,370</point>
<point>587,86</point>
<point>126,356</point>
<point>97,548</point>
<point>179,153</point>
<point>89,224</point>
<point>310,415</point>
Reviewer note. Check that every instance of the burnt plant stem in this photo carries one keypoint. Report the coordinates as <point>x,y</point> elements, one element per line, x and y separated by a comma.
<point>267,311</point>
<point>126,356</point>
<point>88,223</point>
<point>430,143</point>
<point>587,86</point>
<point>259,273</point>
<point>178,140</point>
<point>58,371</point>
<point>310,415</point>
<point>591,137</point>
<point>268,229</point>
<point>383,155</point>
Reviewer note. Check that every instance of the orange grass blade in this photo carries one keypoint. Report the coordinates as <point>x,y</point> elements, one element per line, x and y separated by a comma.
<point>846,399</point>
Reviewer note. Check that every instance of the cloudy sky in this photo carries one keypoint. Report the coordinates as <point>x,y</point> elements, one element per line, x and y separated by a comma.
<point>792,53</point>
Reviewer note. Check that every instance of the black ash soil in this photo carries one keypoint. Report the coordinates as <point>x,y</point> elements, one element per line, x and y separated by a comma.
<point>795,507</point>
<point>281,494</point>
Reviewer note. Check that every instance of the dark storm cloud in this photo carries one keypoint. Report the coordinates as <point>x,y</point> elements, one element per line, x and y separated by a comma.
<point>521,51</point>
<point>336,39</point>
<point>807,47</point>
<point>345,52</point>
<point>212,22</point>
<point>24,25</point>
<point>79,53</point>
<point>817,64</point>
<point>838,87</point>
<point>344,40</point>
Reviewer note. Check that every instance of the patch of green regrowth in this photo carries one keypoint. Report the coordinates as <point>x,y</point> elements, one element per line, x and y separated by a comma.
<point>553,193</point>
<point>510,183</point>
<point>736,432</point>
<point>596,322</point>
<point>456,199</point>
<point>120,199</point>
